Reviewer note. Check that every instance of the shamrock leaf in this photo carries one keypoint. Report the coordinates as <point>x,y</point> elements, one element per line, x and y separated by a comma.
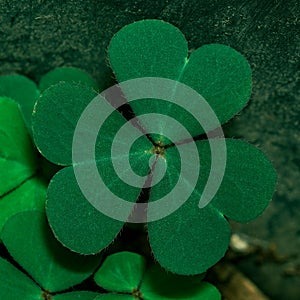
<point>203,234</point>
<point>73,216</point>
<point>128,273</point>
<point>121,272</point>
<point>52,267</point>
<point>188,240</point>
<point>153,48</point>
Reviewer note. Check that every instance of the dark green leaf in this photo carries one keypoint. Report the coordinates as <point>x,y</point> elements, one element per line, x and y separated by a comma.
<point>153,48</point>
<point>23,91</point>
<point>149,48</point>
<point>190,240</point>
<point>248,184</point>
<point>121,272</point>
<point>67,74</point>
<point>16,285</point>
<point>17,155</point>
<point>31,243</point>
<point>199,237</point>
<point>75,222</point>
<point>55,117</point>
<point>222,76</point>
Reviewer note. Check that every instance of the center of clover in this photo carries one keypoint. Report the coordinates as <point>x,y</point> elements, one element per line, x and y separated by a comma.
<point>158,149</point>
<point>137,294</point>
<point>46,296</point>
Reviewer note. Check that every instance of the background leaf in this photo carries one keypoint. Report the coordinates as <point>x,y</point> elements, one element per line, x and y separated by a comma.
<point>158,284</point>
<point>17,155</point>
<point>121,272</point>
<point>31,195</point>
<point>23,91</point>
<point>67,74</point>
<point>16,285</point>
<point>31,243</point>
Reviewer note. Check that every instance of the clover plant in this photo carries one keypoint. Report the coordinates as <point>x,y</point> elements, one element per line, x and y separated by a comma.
<point>48,262</point>
<point>190,240</point>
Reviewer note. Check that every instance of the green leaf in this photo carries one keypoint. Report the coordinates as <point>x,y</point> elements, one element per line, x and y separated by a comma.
<point>31,243</point>
<point>23,91</point>
<point>222,76</point>
<point>190,240</point>
<point>170,286</point>
<point>115,297</point>
<point>16,285</point>
<point>17,155</point>
<point>31,195</point>
<point>203,291</point>
<point>199,237</point>
<point>82,295</point>
<point>121,272</point>
<point>248,184</point>
<point>67,74</point>
<point>153,48</point>
<point>148,48</point>
<point>75,222</point>
<point>55,117</point>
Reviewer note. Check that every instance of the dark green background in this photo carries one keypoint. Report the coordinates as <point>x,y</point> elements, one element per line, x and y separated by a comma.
<point>38,35</point>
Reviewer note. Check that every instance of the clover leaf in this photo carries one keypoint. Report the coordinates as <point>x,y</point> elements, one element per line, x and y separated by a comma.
<point>153,48</point>
<point>51,267</point>
<point>189,240</point>
<point>128,276</point>
<point>72,217</point>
